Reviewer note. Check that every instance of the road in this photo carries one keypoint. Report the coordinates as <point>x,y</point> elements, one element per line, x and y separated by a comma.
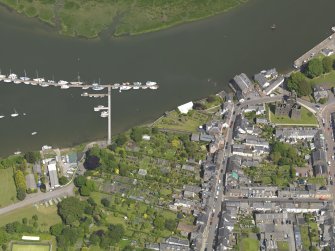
<point>40,197</point>
<point>221,162</point>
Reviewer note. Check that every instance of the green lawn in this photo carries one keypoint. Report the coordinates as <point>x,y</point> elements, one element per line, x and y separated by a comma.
<point>283,246</point>
<point>30,247</point>
<point>328,79</point>
<point>307,118</point>
<point>179,122</point>
<point>47,216</point>
<point>249,244</point>
<point>8,189</point>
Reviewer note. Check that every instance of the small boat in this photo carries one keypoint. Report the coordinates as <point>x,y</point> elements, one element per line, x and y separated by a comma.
<point>333,29</point>
<point>2,77</point>
<point>97,87</point>
<point>116,86</point>
<point>51,81</point>
<point>125,86</point>
<point>7,80</point>
<point>33,133</point>
<point>39,80</point>
<point>2,116</point>
<point>44,84</point>
<point>85,94</point>
<point>25,79</point>
<point>65,87</point>
<point>17,153</point>
<point>17,81</point>
<point>137,85</point>
<point>12,76</point>
<point>153,87</point>
<point>150,83</point>
<point>85,87</point>
<point>104,114</point>
<point>144,87</point>
<point>62,82</point>
<point>46,147</point>
<point>273,27</point>
<point>15,114</point>
<point>98,108</point>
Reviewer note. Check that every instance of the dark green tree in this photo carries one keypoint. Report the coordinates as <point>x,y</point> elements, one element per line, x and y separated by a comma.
<point>32,157</point>
<point>116,232</point>
<point>121,139</point>
<point>314,68</point>
<point>56,229</point>
<point>20,194</point>
<point>71,209</point>
<point>170,224</point>
<point>106,202</point>
<point>327,63</point>
<point>80,181</point>
<point>63,180</point>
<point>159,222</point>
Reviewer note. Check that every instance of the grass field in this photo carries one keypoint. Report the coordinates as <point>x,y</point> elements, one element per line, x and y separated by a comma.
<point>307,118</point>
<point>8,189</point>
<point>248,244</point>
<point>179,122</point>
<point>88,18</point>
<point>30,247</point>
<point>47,216</point>
<point>306,243</point>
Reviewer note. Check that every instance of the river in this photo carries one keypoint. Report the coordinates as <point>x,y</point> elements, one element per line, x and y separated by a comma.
<point>189,62</point>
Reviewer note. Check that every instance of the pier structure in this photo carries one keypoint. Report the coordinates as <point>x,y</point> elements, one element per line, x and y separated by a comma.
<point>12,78</point>
<point>326,45</point>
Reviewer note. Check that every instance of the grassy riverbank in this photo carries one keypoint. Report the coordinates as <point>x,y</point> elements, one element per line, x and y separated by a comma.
<point>88,18</point>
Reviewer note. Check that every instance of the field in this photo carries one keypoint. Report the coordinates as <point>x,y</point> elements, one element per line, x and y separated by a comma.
<point>88,18</point>
<point>327,79</point>
<point>47,216</point>
<point>249,244</point>
<point>30,247</point>
<point>180,122</point>
<point>8,189</point>
<point>307,118</point>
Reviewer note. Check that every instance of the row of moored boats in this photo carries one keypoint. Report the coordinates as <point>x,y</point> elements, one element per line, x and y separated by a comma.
<point>13,78</point>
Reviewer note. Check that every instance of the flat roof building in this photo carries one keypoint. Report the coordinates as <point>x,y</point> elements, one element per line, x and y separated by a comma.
<point>53,177</point>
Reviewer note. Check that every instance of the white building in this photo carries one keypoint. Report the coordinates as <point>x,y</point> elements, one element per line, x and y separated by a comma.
<point>52,169</point>
<point>185,108</point>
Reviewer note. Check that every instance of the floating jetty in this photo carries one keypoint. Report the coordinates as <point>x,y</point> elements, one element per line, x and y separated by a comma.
<point>13,78</point>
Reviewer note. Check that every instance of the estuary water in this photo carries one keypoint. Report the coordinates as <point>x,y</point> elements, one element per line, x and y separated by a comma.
<point>189,62</point>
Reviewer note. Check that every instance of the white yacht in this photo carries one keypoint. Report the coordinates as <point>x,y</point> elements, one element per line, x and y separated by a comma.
<point>44,84</point>
<point>51,81</point>
<point>85,94</point>
<point>98,108</point>
<point>76,83</point>
<point>12,76</point>
<point>17,81</point>
<point>144,87</point>
<point>2,116</point>
<point>39,80</point>
<point>333,29</point>
<point>65,87</point>
<point>116,86</point>
<point>137,85</point>
<point>104,114</point>
<point>85,87</point>
<point>25,79</point>
<point>97,87</point>
<point>125,86</point>
<point>153,87</point>
<point>15,114</point>
<point>17,153</point>
<point>7,80</point>
<point>62,82</point>
<point>2,77</point>
<point>33,133</point>
<point>150,83</point>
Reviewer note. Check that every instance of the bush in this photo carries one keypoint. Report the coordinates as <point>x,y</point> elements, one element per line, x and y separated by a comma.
<point>63,180</point>
<point>21,194</point>
<point>106,202</point>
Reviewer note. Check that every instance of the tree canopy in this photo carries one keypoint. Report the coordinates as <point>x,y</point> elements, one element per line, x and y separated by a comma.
<point>298,82</point>
<point>314,68</point>
<point>71,210</point>
<point>327,63</point>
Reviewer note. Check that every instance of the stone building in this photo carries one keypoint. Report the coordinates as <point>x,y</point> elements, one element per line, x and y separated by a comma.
<point>289,107</point>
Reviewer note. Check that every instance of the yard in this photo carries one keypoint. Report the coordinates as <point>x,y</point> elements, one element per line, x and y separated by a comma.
<point>249,244</point>
<point>8,189</point>
<point>47,216</point>
<point>30,247</point>
<point>283,246</point>
<point>307,118</point>
<point>181,122</point>
<point>306,243</point>
<point>328,79</point>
